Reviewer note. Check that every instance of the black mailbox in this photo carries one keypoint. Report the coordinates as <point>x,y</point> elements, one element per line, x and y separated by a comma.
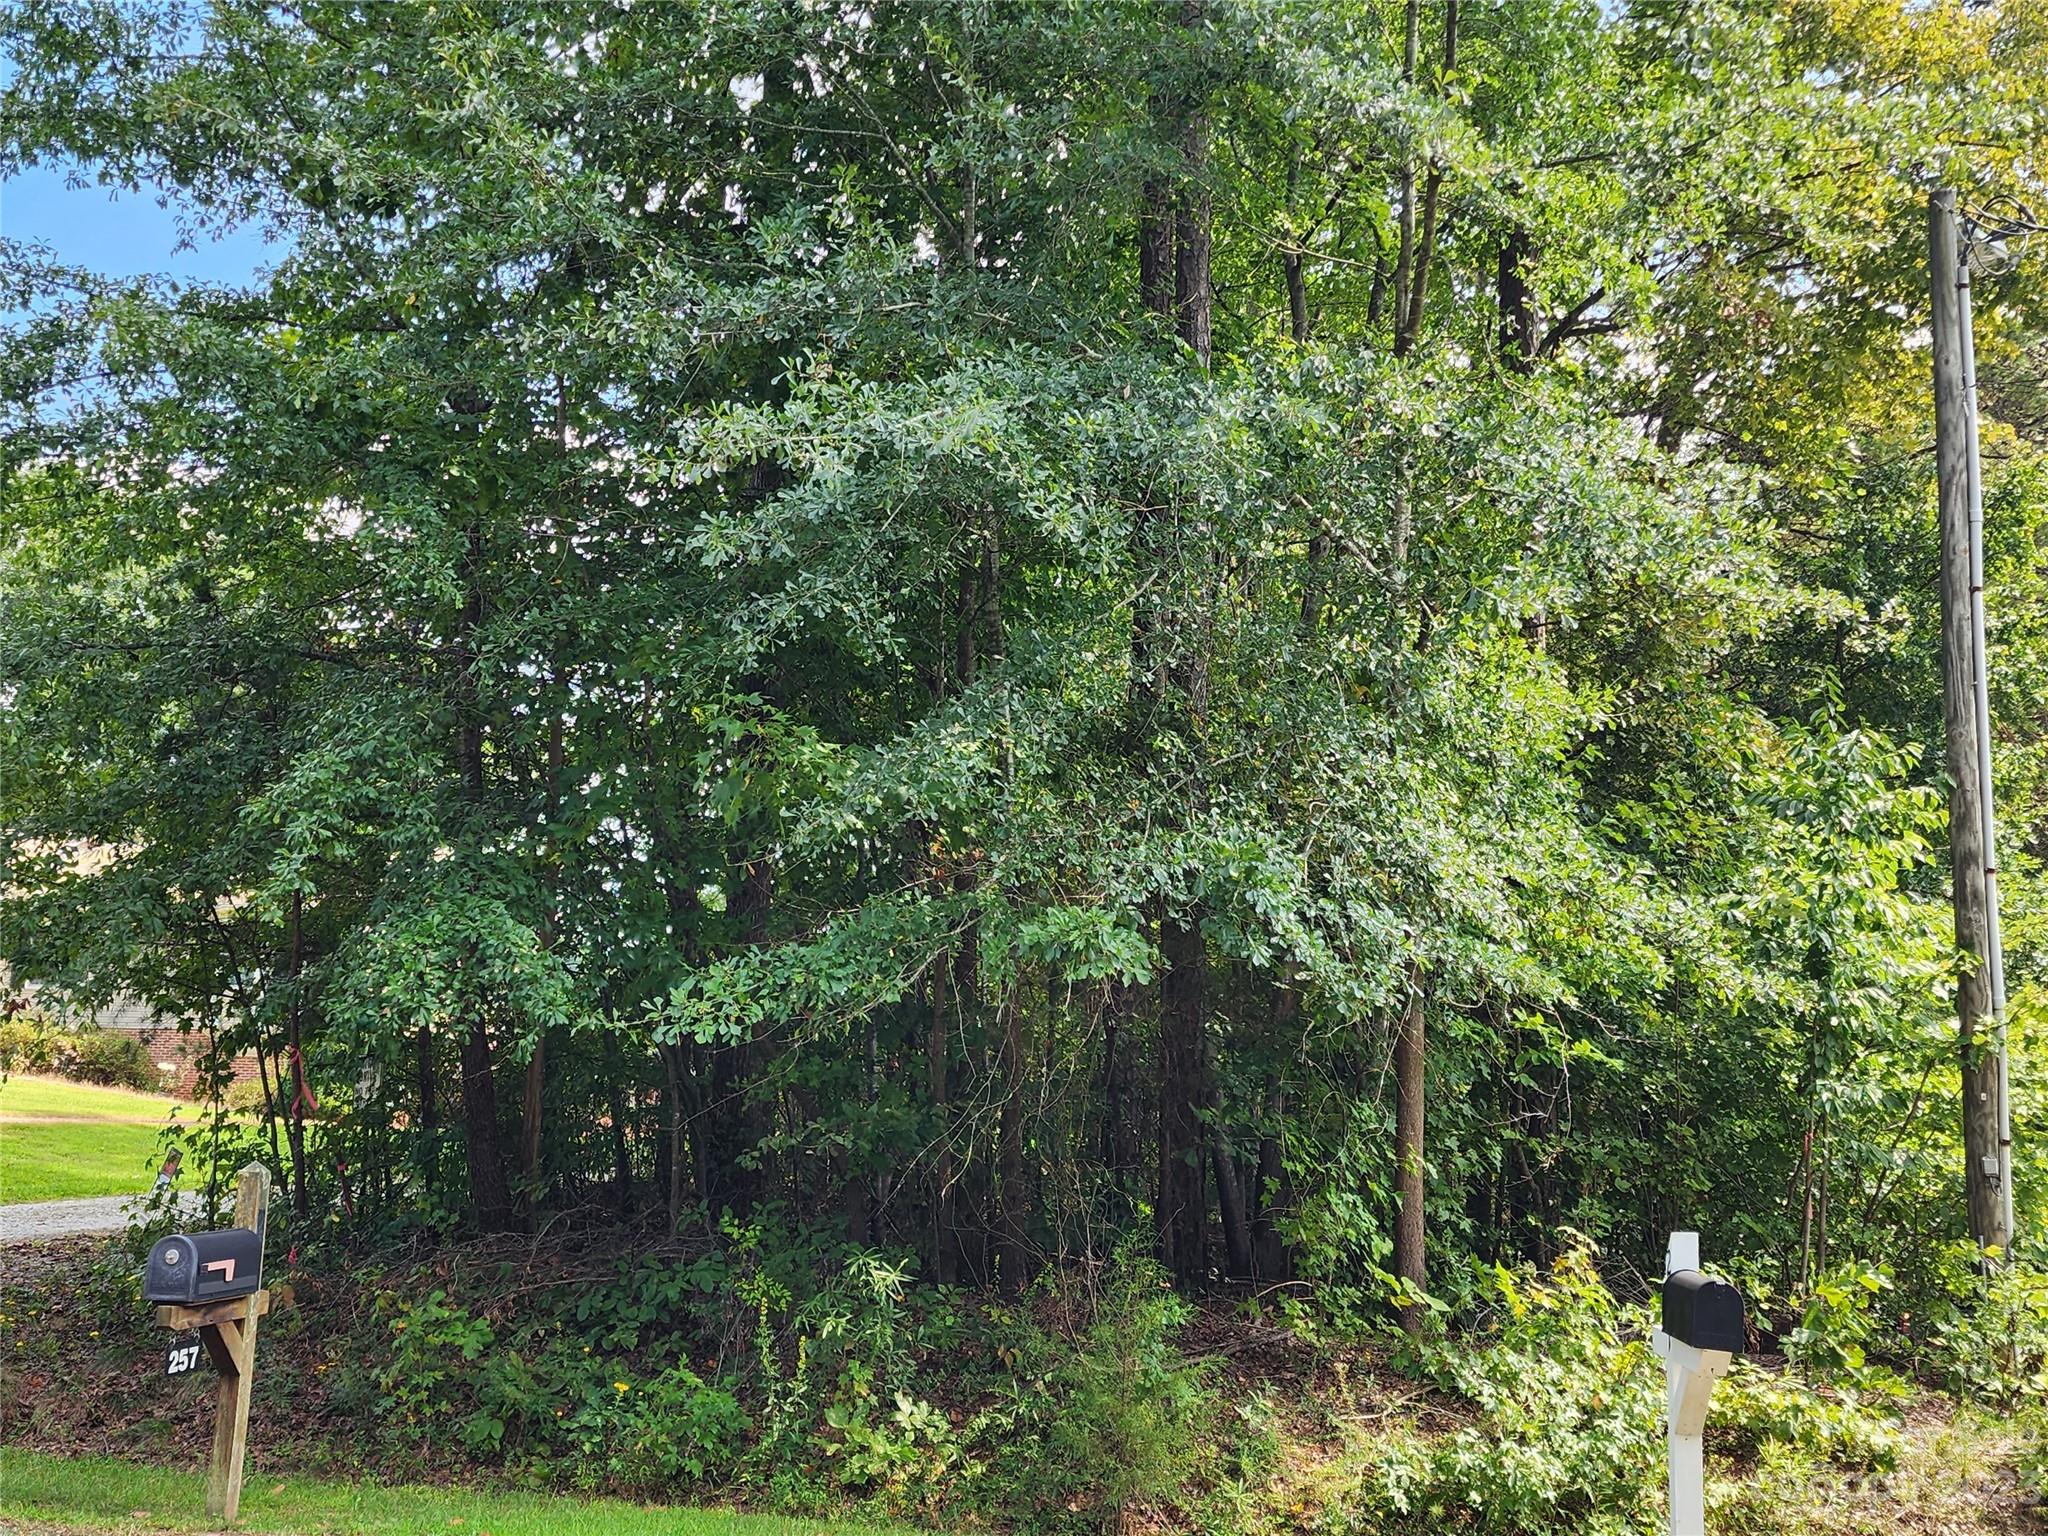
<point>1707,1314</point>
<point>198,1267</point>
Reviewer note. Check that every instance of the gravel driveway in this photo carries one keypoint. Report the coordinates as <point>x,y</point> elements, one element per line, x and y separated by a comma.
<point>40,1220</point>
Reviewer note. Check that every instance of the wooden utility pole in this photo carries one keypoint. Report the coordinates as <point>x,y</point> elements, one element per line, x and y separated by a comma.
<point>1969,861</point>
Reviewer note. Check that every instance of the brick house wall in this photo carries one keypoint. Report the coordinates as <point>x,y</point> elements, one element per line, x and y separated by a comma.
<point>176,1053</point>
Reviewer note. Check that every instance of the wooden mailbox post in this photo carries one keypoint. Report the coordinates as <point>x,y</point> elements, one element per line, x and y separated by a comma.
<point>228,1330</point>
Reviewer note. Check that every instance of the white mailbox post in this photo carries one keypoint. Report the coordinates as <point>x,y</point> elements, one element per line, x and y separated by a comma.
<point>1701,1333</point>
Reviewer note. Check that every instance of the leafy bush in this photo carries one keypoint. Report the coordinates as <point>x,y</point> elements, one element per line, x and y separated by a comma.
<point>851,1398</point>
<point>2031,1429</point>
<point>245,1097</point>
<point>1127,1403</point>
<point>111,1058</point>
<point>1570,1433</point>
<point>30,1043</point>
<point>1989,1337</point>
<point>434,1344</point>
<point>607,1420</point>
<point>1755,1408</point>
<point>645,1436</point>
<point>1838,1327</point>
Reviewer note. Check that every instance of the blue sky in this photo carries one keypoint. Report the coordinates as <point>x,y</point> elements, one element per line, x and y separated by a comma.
<point>121,235</point>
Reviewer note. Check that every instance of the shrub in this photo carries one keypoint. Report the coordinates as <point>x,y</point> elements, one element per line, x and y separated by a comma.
<point>1989,1337</point>
<point>644,1436</point>
<point>1127,1403</point>
<point>109,1057</point>
<point>2030,1426</point>
<point>1570,1433</point>
<point>1754,1409</point>
<point>30,1043</point>
<point>1839,1326</point>
<point>245,1098</point>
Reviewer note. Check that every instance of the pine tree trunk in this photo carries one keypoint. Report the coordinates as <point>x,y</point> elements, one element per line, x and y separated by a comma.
<point>1121,1043</point>
<point>1230,1198</point>
<point>1271,1194</point>
<point>1409,1259</point>
<point>1012,1248</point>
<point>622,1156</point>
<point>489,1196</point>
<point>430,1120</point>
<point>939,1081</point>
<point>675,1072</point>
<point>530,1108</point>
<point>1182,1203</point>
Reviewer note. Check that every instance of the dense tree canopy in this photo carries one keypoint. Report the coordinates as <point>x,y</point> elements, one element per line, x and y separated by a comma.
<point>976,625</point>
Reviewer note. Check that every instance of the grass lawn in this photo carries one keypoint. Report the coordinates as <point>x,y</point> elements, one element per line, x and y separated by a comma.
<point>122,1499</point>
<point>61,1140</point>
<point>41,1097</point>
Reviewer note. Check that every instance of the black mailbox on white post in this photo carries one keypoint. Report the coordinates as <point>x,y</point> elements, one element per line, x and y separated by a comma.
<point>1703,1312</point>
<point>194,1268</point>
<point>1701,1333</point>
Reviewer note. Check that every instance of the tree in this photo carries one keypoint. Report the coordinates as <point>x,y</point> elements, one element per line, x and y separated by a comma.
<point>842,618</point>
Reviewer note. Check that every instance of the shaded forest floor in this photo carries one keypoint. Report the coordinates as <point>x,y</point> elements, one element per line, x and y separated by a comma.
<point>81,1375</point>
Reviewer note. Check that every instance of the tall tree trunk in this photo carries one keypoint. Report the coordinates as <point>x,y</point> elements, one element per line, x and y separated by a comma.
<point>295,1119</point>
<point>1155,248</point>
<point>530,1105</point>
<point>1271,1258</point>
<point>1230,1197</point>
<point>1517,305</point>
<point>1012,1246</point>
<point>1410,1262</point>
<point>424,1086</point>
<point>675,1074</point>
<point>939,1082</point>
<point>530,1124</point>
<point>734,1119</point>
<point>859,1184</point>
<point>1404,259</point>
<point>1182,1205</point>
<point>1122,1007</point>
<point>1418,246</point>
<point>966,1176</point>
<point>1290,260</point>
<point>271,1077</point>
<point>490,1196</point>
<point>1193,293</point>
<point>1272,1195</point>
<point>622,1155</point>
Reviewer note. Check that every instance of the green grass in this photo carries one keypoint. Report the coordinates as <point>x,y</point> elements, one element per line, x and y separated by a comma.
<point>121,1499</point>
<point>57,1096</point>
<point>114,1154</point>
<point>66,1162</point>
